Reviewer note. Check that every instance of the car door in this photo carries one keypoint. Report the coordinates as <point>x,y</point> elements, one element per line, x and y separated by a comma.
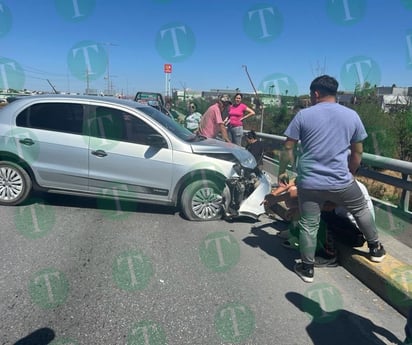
<point>49,136</point>
<point>122,162</point>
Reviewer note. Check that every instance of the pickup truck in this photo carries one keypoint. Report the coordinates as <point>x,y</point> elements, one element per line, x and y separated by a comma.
<point>151,98</point>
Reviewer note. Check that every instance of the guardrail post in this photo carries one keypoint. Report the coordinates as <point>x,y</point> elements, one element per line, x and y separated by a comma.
<point>406,194</point>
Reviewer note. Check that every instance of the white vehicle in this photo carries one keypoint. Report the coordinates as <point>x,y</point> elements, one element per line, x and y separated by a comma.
<point>108,147</point>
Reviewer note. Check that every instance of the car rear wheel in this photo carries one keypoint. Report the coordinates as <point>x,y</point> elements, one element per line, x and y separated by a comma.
<point>15,184</point>
<point>204,200</point>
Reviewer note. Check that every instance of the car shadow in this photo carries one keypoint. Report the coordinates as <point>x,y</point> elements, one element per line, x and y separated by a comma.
<point>271,244</point>
<point>98,203</point>
<point>112,204</point>
<point>334,327</point>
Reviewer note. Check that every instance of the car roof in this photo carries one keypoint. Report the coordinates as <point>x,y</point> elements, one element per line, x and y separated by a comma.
<point>81,98</point>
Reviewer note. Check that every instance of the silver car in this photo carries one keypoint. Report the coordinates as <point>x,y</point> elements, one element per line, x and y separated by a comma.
<point>111,148</point>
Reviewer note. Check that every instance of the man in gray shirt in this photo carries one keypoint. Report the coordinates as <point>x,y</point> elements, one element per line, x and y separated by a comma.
<point>327,132</point>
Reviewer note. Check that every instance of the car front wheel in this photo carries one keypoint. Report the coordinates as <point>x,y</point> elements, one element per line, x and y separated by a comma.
<point>15,184</point>
<point>204,200</point>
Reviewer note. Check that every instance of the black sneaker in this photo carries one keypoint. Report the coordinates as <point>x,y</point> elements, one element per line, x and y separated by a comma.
<point>305,271</point>
<point>320,261</point>
<point>376,252</point>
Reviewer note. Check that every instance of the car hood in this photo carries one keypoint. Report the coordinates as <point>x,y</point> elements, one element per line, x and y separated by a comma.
<point>216,147</point>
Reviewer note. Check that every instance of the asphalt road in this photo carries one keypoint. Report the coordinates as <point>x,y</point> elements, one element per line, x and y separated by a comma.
<point>82,271</point>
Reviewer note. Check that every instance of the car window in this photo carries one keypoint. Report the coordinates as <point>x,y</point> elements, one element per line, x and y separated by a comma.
<point>58,117</point>
<point>167,122</point>
<point>118,125</point>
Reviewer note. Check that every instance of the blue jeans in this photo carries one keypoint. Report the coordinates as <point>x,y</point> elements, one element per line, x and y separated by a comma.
<point>310,204</point>
<point>236,134</point>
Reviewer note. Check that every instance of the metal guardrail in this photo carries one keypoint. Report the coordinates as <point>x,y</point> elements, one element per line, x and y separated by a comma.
<point>371,167</point>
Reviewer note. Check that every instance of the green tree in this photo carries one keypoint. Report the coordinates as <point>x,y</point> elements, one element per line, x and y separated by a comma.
<point>402,123</point>
<point>379,125</point>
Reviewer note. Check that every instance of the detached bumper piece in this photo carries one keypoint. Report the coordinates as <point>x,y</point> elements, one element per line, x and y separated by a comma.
<point>247,194</point>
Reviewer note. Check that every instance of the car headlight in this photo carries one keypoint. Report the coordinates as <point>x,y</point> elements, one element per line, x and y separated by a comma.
<point>249,162</point>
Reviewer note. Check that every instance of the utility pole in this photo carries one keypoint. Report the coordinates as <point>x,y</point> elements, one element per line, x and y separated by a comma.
<point>184,90</point>
<point>55,91</point>
<point>87,81</point>
<point>109,87</point>
<point>258,103</point>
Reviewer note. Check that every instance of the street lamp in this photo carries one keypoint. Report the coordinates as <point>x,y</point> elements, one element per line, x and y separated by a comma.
<point>272,88</point>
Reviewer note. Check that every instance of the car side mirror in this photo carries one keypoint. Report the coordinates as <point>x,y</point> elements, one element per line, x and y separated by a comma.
<point>156,140</point>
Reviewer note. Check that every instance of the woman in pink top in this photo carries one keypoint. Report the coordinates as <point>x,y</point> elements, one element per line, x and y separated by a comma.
<point>238,112</point>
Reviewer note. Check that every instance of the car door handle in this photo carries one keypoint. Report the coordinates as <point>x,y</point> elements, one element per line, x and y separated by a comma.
<point>26,141</point>
<point>99,153</point>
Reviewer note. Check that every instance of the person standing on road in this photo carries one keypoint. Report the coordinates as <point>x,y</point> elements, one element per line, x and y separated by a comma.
<point>211,123</point>
<point>237,113</point>
<point>327,130</point>
<point>192,120</point>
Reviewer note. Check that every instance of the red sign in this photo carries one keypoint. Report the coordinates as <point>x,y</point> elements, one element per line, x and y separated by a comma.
<point>168,68</point>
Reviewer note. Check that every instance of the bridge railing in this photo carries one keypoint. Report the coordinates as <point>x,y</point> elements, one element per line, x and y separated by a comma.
<point>373,167</point>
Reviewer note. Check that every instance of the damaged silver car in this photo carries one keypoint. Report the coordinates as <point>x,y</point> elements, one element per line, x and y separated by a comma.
<point>111,148</point>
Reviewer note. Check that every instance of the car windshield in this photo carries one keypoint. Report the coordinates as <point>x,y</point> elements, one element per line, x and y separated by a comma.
<point>174,127</point>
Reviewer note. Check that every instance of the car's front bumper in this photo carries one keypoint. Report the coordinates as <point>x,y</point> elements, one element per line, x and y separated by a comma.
<point>252,206</point>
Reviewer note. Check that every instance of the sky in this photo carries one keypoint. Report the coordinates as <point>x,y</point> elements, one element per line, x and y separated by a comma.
<point>275,47</point>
